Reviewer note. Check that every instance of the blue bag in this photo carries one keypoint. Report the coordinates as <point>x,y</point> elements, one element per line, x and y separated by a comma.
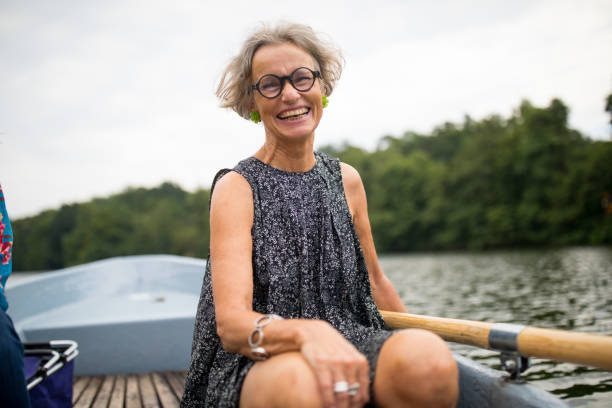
<point>49,369</point>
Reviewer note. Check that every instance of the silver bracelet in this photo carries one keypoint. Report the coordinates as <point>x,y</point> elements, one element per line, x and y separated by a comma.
<point>258,352</point>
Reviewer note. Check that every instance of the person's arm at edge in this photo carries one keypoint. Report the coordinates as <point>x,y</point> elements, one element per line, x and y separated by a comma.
<point>385,295</point>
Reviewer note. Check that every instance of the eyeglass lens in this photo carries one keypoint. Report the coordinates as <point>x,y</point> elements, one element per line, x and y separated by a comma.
<point>271,85</point>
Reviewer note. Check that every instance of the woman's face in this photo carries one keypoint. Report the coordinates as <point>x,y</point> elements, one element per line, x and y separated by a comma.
<point>292,115</point>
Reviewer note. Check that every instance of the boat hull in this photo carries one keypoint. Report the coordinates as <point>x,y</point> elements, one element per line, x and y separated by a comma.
<point>481,386</point>
<point>128,314</point>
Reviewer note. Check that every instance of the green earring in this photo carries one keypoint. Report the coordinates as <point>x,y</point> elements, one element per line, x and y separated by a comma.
<point>325,101</point>
<point>255,116</point>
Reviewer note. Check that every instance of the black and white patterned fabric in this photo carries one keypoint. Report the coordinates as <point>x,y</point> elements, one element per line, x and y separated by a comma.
<point>307,263</point>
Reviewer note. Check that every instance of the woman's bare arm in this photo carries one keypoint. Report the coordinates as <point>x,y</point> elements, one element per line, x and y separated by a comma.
<point>231,219</point>
<point>330,355</point>
<point>384,293</point>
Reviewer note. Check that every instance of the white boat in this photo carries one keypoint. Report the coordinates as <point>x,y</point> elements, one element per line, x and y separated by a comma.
<point>128,314</point>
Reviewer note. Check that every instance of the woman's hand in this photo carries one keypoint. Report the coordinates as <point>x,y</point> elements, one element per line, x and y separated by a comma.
<point>334,359</point>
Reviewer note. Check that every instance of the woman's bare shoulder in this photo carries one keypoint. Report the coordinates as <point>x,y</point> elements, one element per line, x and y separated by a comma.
<point>231,189</point>
<point>350,177</point>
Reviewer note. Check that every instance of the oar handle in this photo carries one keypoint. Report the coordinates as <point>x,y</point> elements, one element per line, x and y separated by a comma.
<point>573,347</point>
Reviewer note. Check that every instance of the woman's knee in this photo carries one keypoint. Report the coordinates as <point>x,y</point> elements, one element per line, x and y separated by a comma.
<point>433,357</point>
<point>282,381</point>
<point>420,368</point>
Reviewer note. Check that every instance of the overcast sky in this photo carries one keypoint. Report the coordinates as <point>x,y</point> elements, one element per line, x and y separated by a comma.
<point>96,96</point>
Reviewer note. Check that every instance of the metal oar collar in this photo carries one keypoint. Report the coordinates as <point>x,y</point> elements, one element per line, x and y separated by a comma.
<point>503,337</point>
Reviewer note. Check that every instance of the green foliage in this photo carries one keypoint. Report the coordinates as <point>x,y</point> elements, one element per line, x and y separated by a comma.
<point>164,220</point>
<point>527,180</point>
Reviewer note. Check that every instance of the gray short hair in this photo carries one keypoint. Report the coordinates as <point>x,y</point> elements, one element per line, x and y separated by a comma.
<point>234,88</point>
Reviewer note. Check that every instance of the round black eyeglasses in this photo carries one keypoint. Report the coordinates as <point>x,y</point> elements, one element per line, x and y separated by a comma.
<point>270,85</point>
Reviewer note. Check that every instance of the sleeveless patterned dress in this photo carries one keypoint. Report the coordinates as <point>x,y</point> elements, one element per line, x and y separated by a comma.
<point>307,263</point>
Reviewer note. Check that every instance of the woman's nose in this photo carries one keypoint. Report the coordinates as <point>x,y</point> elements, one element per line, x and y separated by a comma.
<point>289,93</point>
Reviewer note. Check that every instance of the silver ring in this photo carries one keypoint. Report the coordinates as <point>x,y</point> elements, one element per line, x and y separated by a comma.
<point>353,389</point>
<point>341,386</point>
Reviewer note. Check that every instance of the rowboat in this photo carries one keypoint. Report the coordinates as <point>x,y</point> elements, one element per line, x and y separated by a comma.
<point>136,314</point>
<point>127,314</point>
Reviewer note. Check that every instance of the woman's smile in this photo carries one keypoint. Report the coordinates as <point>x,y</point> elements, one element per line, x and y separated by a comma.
<point>293,114</point>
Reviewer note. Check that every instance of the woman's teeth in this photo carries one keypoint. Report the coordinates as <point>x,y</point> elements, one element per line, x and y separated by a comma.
<point>294,114</point>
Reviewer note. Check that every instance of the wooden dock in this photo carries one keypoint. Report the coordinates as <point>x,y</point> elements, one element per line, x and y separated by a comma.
<point>145,390</point>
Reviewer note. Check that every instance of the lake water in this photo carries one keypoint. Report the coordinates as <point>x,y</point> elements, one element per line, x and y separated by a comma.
<point>563,289</point>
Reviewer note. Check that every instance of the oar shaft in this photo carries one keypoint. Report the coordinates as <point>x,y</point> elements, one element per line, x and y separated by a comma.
<point>580,348</point>
<point>573,347</point>
<point>460,331</point>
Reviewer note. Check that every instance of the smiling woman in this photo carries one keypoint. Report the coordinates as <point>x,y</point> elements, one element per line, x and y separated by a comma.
<point>289,115</point>
<point>289,308</point>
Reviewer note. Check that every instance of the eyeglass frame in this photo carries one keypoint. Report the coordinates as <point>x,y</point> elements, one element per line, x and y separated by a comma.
<point>282,79</point>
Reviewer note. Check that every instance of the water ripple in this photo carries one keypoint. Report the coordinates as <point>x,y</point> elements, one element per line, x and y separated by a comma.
<point>564,289</point>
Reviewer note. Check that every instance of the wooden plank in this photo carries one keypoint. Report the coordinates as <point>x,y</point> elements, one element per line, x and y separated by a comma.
<point>177,382</point>
<point>118,396</point>
<point>105,392</point>
<point>132,393</point>
<point>89,394</point>
<point>147,391</point>
<point>167,397</point>
<point>80,383</point>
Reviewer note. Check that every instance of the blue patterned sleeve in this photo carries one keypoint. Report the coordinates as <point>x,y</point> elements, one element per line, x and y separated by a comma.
<point>6,249</point>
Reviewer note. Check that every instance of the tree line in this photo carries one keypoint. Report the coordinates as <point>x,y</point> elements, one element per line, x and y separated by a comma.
<point>527,180</point>
<point>522,181</point>
<point>138,221</point>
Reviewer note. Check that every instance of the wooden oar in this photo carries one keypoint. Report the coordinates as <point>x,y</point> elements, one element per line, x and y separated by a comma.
<point>573,347</point>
